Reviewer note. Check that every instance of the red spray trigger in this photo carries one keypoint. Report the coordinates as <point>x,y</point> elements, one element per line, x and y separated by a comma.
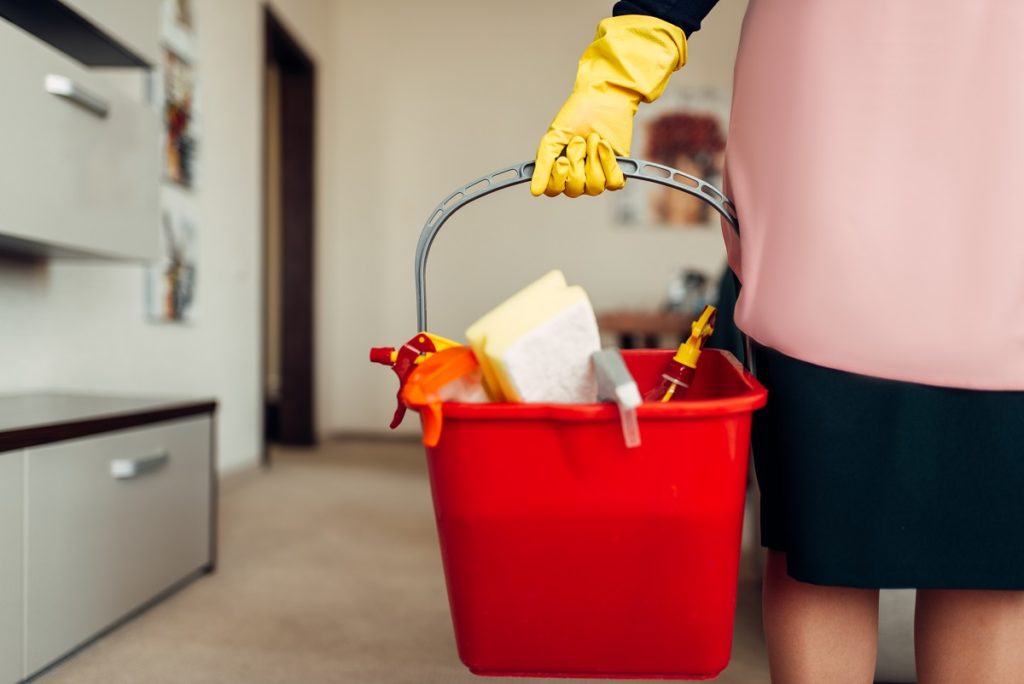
<point>403,361</point>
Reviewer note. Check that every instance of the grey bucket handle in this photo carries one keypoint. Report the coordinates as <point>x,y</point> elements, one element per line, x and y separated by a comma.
<point>521,173</point>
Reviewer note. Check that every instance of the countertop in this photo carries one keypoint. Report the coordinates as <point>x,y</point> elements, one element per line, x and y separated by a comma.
<point>30,419</point>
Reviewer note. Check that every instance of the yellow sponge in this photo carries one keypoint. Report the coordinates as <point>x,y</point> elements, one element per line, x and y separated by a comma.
<point>536,346</point>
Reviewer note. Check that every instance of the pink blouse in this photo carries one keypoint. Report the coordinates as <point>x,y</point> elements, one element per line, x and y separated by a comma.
<point>875,153</point>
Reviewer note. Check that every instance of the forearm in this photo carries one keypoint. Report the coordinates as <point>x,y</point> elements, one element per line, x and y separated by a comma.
<point>686,14</point>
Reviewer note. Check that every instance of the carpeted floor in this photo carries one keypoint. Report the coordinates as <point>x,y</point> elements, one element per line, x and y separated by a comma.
<point>329,572</point>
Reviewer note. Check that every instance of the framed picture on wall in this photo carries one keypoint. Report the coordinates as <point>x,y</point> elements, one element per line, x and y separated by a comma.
<point>171,281</point>
<point>179,119</point>
<point>686,130</point>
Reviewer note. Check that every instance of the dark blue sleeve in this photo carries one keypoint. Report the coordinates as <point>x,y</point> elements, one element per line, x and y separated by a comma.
<point>686,14</point>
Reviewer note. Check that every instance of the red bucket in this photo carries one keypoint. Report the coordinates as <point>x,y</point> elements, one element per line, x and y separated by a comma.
<point>568,555</point>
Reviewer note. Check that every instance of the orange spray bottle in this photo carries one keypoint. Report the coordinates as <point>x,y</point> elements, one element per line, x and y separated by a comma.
<point>678,374</point>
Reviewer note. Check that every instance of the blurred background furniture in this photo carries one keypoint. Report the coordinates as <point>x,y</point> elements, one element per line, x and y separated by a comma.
<point>107,504</point>
<point>639,329</point>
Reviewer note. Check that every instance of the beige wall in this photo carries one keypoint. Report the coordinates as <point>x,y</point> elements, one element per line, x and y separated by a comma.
<point>412,102</point>
<point>431,96</point>
<point>80,325</point>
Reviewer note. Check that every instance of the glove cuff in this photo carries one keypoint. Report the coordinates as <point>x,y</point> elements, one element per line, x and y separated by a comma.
<point>633,54</point>
<point>648,29</point>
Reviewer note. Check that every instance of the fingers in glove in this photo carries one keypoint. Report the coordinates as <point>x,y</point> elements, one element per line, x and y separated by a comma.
<point>610,165</point>
<point>577,179</point>
<point>551,146</point>
<point>559,172</point>
<point>595,172</point>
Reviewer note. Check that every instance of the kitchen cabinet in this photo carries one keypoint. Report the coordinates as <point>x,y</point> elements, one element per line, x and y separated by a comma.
<point>106,505</point>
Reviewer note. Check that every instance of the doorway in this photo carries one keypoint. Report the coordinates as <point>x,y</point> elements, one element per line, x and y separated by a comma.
<point>288,178</point>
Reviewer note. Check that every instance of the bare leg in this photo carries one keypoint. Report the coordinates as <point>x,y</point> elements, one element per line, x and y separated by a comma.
<point>818,634</point>
<point>969,636</point>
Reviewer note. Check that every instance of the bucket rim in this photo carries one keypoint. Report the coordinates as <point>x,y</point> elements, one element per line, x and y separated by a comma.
<point>753,397</point>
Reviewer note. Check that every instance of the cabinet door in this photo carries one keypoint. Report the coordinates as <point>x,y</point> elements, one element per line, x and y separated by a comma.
<point>79,160</point>
<point>103,541</point>
<point>11,547</point>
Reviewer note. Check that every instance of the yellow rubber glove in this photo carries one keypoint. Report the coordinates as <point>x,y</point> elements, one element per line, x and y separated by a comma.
<point>630,60</point>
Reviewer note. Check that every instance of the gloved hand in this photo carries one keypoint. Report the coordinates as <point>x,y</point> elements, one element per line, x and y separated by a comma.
<point>631,59</point>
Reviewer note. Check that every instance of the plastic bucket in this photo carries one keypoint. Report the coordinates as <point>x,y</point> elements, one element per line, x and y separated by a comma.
<point>567,554</point>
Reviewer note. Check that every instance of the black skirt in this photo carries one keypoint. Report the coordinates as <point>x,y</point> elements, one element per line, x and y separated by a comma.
<point>884,484</point>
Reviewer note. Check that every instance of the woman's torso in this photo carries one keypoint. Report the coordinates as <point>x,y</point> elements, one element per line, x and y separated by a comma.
<point>876,154</point>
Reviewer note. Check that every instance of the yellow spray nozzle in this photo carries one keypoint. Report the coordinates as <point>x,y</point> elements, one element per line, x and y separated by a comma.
<point>700,331</point>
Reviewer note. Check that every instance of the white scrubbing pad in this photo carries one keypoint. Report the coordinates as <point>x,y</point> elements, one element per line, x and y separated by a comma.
<point>520,311</point>
<point>551,362</point>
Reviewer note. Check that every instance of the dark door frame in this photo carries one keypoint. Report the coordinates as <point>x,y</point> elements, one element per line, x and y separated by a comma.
<point>295,412</point>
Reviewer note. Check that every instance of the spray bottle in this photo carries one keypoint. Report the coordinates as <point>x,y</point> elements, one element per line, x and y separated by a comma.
<point>678,374</point>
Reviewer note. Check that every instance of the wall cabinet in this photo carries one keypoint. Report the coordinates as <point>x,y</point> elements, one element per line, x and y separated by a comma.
<point>80,171</point>
<point>106,507</point>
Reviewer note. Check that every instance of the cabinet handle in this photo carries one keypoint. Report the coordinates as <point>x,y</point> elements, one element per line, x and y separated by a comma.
<point>130,468</point>
<point>62,86</point>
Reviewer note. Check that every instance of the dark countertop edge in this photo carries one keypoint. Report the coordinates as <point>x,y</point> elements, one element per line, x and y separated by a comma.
<point>36,435</point>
